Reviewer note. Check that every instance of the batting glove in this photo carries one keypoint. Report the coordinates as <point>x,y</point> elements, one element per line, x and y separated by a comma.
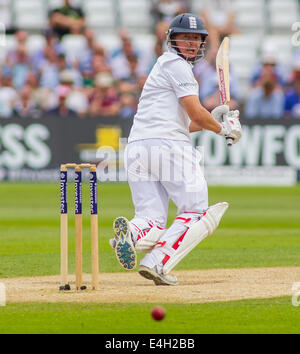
<point>219,112</point>
<point>231,127</point>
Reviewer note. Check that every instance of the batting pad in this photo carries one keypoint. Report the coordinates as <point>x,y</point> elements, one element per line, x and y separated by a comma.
<point>195,234</point>
<point>149,239</point>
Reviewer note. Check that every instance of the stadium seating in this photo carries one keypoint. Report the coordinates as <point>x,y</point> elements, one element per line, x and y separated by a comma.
<point>100,14</point>
<point>35,42</point>
<point>10,44</point>
<point>265,27</point>
<point>284,6</point>
<point>144,42</point>
<point>74,46</point>
<point>52,4</point>
<point>5,13</point>
<point>248,5</point>
<point>110,41</point>
<point>30,14</point>
<point>196,6</point>
<point>244,49</point>
<point>5,21</point>
<point>58,3</point>
<point>243,53</point>
<point>280,45</point>
<point>250,15</point>
<point>282,14</point>
<point>281,22</point>
<point>135,14</point>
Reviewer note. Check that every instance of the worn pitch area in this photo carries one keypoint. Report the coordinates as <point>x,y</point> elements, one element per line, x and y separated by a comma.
<point>195,286</point>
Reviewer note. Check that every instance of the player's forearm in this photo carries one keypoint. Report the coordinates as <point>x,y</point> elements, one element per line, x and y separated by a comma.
<point>207,121</point>
<point>199,115</point>
<point>194,127</point>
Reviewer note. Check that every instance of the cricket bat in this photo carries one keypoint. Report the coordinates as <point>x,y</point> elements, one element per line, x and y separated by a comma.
<point>222,67</point>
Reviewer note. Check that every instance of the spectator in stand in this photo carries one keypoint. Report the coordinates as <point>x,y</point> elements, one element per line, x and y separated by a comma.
<point>77,100</point>
<point>133,63</point>
<point>99,64</point>
<point>160,43</point>
<point>204,69</point>
<point>125,87</point>
<point>92,48</point>
<point>88,85</point>
<point>166,10</point>
<point>64,66</point>
<point>8,94</point>
<point>32,81</point>
<point>21,36</point>
<point>87,57</point>
<point>12,56</point>
<point>219,18</point>
<point>292,100</point>
<point>43,97</point>
<point>269,65</point>
<point>48,70</point>
<point>52,42</point>
<point>67,20</point>
<point>53,66</point>
<point>160,33</point>
<point>62,109</point>
<point>105,100</point>
<point>128,106</point>
<point>209,92</point>
<point>119,60</point>
<point>205,74</point>
<point>25,106</point>
<point>21,67</point>
<point>266,100</point>
<point>132,85</point>
<point>141,83</point>
<point>296,53</point>
<point>294,74</point>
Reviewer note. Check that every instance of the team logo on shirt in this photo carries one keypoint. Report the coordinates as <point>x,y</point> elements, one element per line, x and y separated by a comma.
<point>193,22</point>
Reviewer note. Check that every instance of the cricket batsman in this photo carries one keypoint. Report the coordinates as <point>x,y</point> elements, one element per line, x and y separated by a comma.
<point>168,111</point>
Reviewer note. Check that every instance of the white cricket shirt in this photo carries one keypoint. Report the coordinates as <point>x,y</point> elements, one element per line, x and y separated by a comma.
<point>160,113</point>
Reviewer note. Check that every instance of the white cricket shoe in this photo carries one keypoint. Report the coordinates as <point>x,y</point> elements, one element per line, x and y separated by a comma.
<point>158,278</point>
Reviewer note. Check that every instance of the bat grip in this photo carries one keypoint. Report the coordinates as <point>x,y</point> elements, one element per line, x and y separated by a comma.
<point>229,141</point>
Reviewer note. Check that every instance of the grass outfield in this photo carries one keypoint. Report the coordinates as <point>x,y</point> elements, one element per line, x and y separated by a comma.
<point>248,316</point>
<point>260,229</point>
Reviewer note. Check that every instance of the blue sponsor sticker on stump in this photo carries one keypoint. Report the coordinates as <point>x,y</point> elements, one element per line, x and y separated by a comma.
<point>93,191</point>
<point>78,192</point>
<point>63,192</point>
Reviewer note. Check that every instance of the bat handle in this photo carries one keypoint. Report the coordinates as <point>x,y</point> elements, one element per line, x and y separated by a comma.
<point>229,142</point>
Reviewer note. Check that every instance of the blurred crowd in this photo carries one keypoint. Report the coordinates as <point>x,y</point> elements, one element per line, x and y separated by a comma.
<point>100,82</point>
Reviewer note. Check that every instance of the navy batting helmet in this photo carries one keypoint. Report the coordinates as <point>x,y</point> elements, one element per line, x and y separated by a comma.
<point>187,23</point>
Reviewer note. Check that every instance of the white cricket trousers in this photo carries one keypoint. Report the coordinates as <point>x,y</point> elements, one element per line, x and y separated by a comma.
<point>159,170</point>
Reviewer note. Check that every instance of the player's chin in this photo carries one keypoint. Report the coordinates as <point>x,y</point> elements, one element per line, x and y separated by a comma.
<point>190,55</point>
